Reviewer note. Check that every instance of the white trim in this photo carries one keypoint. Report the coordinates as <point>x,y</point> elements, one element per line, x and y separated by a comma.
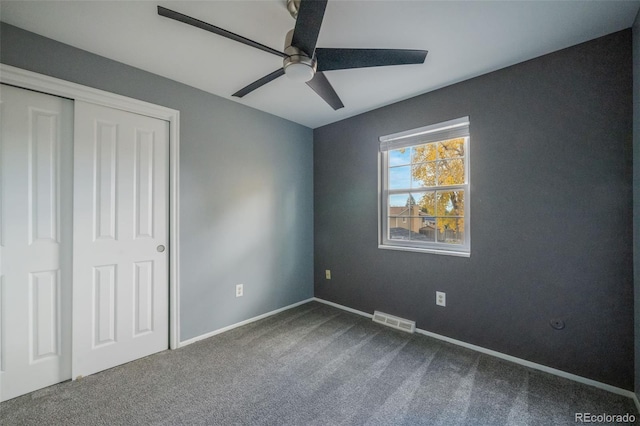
<point>344,308</point>
<point>174,232</point>
<point>524,362</point>
<point>385,193</point>
<point>54,86</point>
<point>445,130</point>
<point>425,250</point>
<point>241,323</point>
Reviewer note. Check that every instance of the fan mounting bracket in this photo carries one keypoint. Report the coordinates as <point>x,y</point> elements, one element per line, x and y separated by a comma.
<point>293,6</point>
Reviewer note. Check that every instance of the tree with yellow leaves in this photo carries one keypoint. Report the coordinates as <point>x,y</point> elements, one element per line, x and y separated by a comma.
<point>441,164</point>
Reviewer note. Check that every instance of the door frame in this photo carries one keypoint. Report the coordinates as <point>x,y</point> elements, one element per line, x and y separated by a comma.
<point>50,85</point>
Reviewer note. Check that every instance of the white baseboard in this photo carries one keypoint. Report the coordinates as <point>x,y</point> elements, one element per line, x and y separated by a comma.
<point>241,323</point>
<point>344,308</point>
<point>524,362</point>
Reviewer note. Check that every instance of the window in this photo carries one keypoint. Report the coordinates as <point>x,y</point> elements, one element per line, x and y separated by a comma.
<point>424,189</point>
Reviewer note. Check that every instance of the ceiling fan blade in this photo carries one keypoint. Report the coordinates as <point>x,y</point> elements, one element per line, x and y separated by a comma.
<point>322,87</point>
<point>308,22</point>
<point>340,59</point>
<point>258,83</point>
<point>168,13</point>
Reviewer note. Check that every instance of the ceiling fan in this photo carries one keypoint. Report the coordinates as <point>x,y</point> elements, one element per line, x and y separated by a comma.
<point>302,61</point>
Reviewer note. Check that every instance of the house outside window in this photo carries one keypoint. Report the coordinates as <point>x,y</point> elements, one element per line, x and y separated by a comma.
<point>424,189</point>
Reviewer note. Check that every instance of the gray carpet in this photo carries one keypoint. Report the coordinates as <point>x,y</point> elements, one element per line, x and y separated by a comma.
<point>315,365</point>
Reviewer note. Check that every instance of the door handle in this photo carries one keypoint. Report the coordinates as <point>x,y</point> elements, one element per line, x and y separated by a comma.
<point>160,248</point>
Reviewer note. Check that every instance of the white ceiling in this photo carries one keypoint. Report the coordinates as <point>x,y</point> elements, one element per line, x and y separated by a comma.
<point>464,39</point>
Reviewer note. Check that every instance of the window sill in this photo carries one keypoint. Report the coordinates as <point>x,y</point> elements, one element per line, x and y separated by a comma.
<point>426,250</point>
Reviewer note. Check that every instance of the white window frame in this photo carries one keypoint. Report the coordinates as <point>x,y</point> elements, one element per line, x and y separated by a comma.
<point>451,129</point>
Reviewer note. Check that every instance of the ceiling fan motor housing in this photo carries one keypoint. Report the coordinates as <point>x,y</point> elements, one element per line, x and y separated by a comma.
<point>297,64</point>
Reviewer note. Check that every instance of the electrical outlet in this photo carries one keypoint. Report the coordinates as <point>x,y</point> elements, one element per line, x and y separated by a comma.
<point>327,274</point>
<point>239,290</point>
<point>441,298</point>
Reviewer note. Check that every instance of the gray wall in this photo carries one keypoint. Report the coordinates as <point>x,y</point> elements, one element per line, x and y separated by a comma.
<point>551,202</point>
<point>246,187</point>
<point>636,193</point>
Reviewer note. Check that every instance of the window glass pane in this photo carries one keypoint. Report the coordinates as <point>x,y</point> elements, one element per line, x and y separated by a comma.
<point>423,153</point>
<point>399,177</point>
<point>411,228</point>
<point>414,229</point>
<point>423,174</point>
<point>401,206</point>
<point>426,202</point>
<point>425,228</point>
<point>450,203</point>
<point>453,148</point>
<point>412,204</point>
<point>399,157</point>
<point>402,209</point>
<point>451,172</point>
<point>399,229</point>
<point>450,230</point>
<point>397,201</point>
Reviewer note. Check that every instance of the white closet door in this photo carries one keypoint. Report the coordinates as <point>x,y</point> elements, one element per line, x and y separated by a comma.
<point>35,240</point>
<point>120,272</point>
